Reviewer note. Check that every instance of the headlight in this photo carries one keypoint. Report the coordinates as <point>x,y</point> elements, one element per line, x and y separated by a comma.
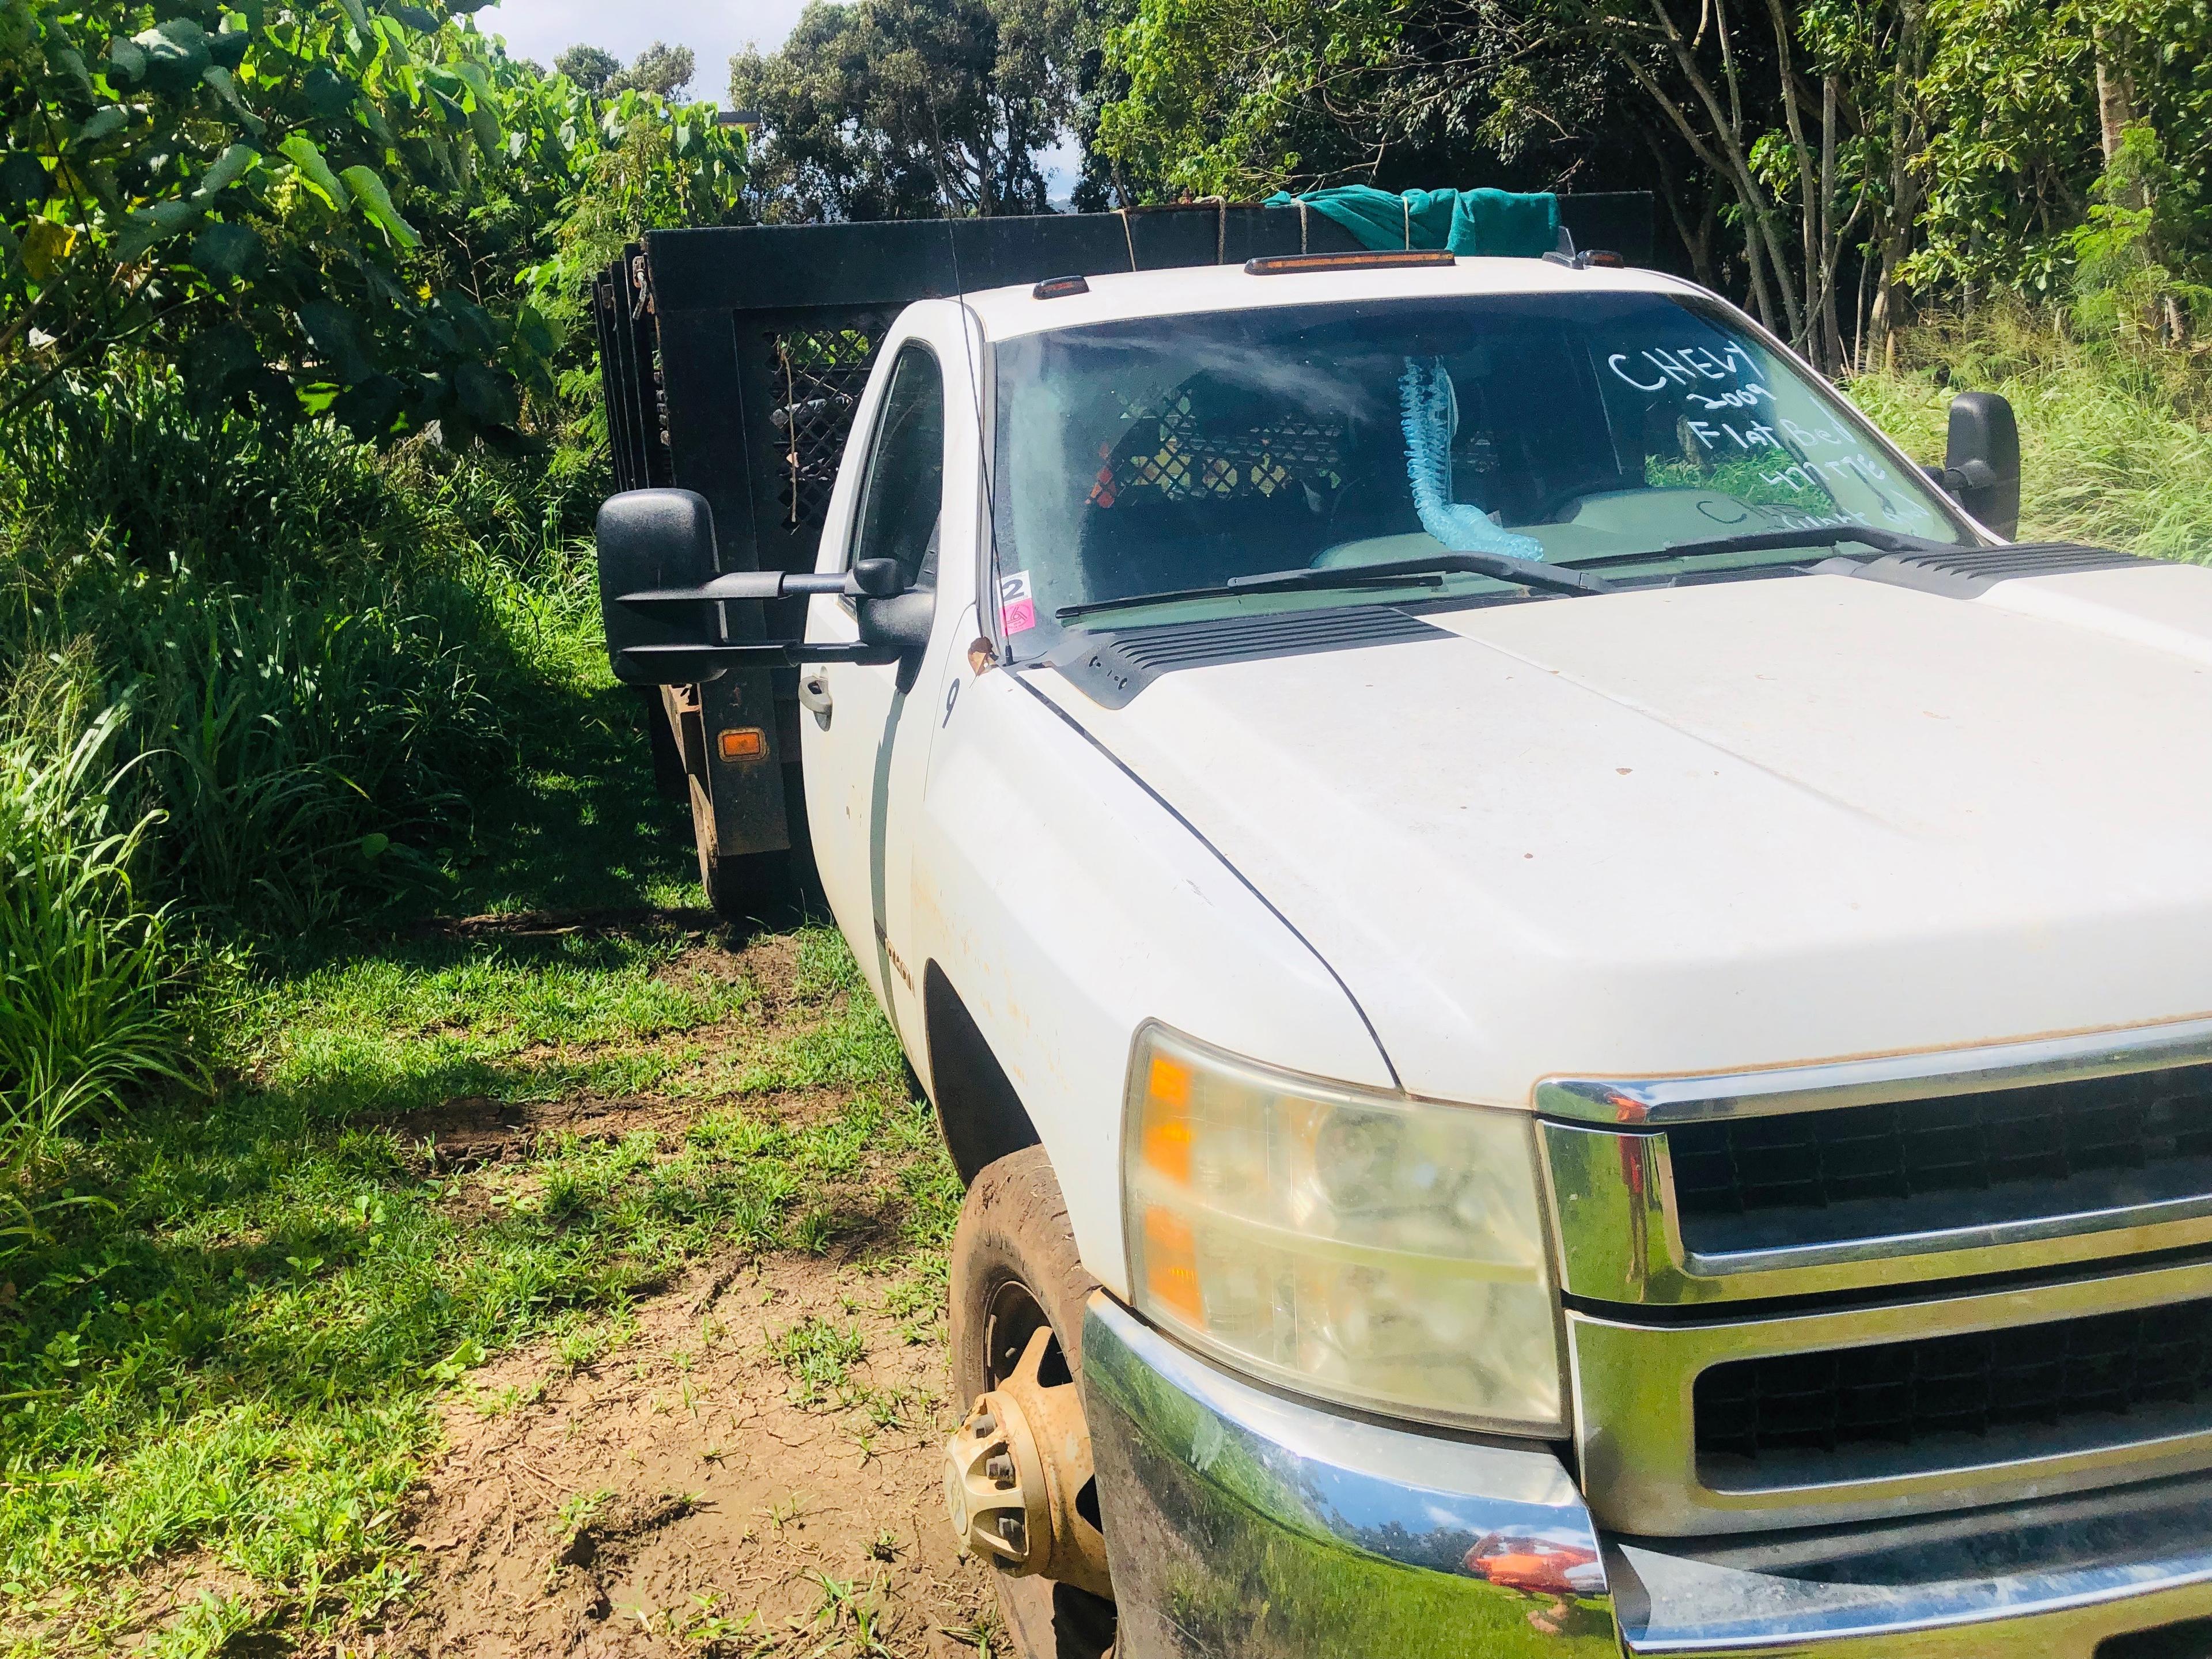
<point>1385,1253</point>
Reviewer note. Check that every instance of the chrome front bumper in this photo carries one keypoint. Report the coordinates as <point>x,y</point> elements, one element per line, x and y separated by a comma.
<point>1239,1522</point>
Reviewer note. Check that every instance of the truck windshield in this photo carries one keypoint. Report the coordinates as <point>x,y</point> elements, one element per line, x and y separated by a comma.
<point>1164,454</point>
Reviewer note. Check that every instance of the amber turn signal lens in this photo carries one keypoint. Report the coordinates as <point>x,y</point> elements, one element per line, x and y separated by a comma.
<point>1165,1126</point>
<point>1170,1082</point>
<point>1345,1242</point>
<point>746,743</point>
<point>1171,1264</point>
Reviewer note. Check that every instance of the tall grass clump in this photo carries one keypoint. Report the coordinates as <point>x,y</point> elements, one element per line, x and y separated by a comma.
<point>84,1017</point>
<point>2116,434</point>
<point>318,648</point>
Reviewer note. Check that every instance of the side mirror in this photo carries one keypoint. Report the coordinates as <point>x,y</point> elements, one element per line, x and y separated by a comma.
<point>654,540</point>
<point>900,625</point>
<point>1981,461</point>
<point>662,603</point>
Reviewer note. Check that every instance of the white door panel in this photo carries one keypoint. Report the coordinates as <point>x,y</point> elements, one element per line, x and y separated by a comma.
<point>867,768</point>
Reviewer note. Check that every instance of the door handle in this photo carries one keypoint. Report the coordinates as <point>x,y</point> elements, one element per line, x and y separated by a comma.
<point>814,693</point>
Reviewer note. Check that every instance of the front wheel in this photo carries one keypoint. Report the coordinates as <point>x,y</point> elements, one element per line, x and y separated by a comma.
<point>1017,1478</point>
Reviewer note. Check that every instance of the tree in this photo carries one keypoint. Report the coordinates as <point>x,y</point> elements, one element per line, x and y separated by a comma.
<point>1241,96</point>
<point>307,210</point>
<point>1827,161</point>
<point>662,70</point>
<point>902,108</point>
<point>590,68</point>
<point>641,183</point>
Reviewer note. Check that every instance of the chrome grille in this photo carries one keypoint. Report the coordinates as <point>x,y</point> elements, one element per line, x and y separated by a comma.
<point>1977,1384</point>
<point>2007,1139</point>
<point>1893,1285</point>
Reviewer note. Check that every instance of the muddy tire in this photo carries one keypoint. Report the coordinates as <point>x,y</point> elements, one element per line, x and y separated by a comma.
<point>1015,1267</point>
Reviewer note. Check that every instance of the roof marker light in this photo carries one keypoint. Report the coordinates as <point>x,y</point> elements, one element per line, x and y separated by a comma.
<point>1596,259</point>
<point>1287,264</point>
<point>1055,288</point>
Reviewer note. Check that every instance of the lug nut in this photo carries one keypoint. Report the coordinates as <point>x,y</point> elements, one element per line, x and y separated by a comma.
<point>1011,1529</point>
<point>986,1425</point>
<point>999,1468</point>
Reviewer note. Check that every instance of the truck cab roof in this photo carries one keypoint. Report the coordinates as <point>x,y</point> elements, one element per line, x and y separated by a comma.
<point>1012,312</point>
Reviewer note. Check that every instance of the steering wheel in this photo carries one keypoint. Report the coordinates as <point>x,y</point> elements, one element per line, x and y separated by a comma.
<point>1369,484</point>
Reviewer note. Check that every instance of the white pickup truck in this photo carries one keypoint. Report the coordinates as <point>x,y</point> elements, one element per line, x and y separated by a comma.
<point>1578,1014</point>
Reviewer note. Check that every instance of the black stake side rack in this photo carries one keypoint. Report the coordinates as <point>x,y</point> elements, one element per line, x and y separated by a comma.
<point>733,360</point>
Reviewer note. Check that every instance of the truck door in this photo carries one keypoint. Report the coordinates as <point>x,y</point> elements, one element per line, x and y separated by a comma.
<point>866,743</point>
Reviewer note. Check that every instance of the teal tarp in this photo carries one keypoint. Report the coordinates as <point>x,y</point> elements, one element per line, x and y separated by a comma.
<point>1497,223</point>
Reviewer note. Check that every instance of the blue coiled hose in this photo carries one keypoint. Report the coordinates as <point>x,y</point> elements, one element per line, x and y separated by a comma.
<point>1425,405</point>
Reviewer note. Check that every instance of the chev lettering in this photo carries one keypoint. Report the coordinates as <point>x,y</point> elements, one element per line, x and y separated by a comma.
<point>1686,366</point>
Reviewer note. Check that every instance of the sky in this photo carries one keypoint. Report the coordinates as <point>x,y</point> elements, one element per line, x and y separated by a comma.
<point>714,29</point>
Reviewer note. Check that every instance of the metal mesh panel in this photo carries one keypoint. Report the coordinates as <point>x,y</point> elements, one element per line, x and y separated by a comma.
<point>1170,450</point>
<point>818,376</point>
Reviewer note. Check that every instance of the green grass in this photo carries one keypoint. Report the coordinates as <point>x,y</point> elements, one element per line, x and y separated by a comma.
<point>238,1349</point>
<point>256,684</point>
<point>818,1356</point>
<point>228,1334</point>
<point>428,1022</point>
<point>84,1002</point>
<point>314,651</point>
<point>2116,444</point>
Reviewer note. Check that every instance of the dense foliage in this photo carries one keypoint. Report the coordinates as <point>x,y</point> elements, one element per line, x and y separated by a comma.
<point>323,207</point>
<point>1826,162</point>
<point>274,626</point>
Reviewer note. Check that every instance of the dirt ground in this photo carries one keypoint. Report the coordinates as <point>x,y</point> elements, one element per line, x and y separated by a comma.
<point>742,1463</point>
<point>751,1469</point>
<point>689,1494</point>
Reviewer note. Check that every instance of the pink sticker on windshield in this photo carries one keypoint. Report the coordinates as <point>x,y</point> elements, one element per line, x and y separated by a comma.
<point>1017,606</point>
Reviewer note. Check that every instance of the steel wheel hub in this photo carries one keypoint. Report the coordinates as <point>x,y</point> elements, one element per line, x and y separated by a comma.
<point>1014,1473</point>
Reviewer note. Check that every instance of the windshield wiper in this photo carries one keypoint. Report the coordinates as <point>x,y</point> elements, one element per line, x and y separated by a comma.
<point>1765,541</point>
<point>1528,571</point>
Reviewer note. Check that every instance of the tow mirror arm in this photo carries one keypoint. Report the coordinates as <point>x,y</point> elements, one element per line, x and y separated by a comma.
<point>674,632</point>
<point>685,663</point>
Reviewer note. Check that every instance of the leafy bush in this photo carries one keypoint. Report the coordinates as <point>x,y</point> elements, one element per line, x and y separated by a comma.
<point>317,207</point>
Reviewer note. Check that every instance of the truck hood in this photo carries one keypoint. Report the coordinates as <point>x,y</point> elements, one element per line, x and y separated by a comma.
<point>1749,823</point>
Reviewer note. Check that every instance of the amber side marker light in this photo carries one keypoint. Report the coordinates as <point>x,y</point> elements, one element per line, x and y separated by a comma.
<point>746,743</point>
<point>1289,264</point>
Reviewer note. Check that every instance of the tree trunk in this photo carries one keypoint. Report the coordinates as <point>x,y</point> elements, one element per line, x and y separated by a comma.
<point>1877,326</point>
<point>2116,97</point>
<point>1760,236</point>
<point>1903,205</point>
<point>1701,257</point>
<point>1670,192</point>
<point>1831,237</point>
<point>1859,319</point>
<point>1812,205</point>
